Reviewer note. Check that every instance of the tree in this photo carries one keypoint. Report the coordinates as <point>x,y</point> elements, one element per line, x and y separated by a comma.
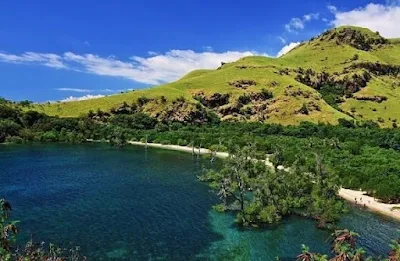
<point>8,230</point>
<point>306,255</point>
<point>8,128</point>
<point>324,205</point>
<point>233,182</point>
<point>277,158</point>
<point>30,117</point>
<point>118,137</point>
<point>343,248</point>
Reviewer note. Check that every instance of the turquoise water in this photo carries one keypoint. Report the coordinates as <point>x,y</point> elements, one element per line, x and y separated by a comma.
<point>133,204</point>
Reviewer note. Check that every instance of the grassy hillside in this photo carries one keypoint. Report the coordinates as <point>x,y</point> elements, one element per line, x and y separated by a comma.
<point>347,72</point>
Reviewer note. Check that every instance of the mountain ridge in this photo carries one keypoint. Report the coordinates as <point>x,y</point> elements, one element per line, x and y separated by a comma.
<point>347,72</point>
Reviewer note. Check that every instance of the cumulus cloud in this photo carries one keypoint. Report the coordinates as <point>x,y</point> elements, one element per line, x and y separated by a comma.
<point>287,48</point>
<point>82,98</point>
<point>297,23</point>
<point>159,68</point>
<point>378,17</point>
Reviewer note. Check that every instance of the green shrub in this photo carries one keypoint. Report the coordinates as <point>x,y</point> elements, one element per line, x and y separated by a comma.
<point>182,142</point>
<point>15,139</point>
<point>165,142</point>
<point>49,136</point>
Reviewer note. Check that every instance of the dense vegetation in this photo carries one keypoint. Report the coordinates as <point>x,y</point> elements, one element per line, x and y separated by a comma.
<point>263,195</point>
<point>321,157</point>
<point>338,89</point>
<point>361,154</point>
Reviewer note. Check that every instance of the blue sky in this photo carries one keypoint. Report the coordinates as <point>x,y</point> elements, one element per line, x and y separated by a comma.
<point>52,50</point>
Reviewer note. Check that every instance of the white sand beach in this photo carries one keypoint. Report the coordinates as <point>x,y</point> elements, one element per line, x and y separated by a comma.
<point>359,197</point>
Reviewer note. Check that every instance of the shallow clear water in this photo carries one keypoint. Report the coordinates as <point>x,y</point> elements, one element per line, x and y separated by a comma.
<point>133,204</point>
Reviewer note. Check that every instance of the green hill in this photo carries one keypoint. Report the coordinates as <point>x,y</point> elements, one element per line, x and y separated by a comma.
<point>347,72</point>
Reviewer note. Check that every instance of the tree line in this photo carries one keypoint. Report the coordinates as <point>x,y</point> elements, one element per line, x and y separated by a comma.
<point>364,156</point>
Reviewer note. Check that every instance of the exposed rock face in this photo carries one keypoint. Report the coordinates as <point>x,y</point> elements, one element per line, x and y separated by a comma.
<point>290,91</point>
<point>379,68</point>
<point>352,82</point>
<point>249,105</point>
<point>181,111</point>
<point>212,101</point>
<point>307,108</point>
<point>232,108</point>
<point>376,98</point>
<point>123,109</point>
<point>242,84</point>
<point>354,38</point>
<point>255,97</point>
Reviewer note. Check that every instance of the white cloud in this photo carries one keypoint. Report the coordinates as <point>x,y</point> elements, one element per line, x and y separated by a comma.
<point>90,90</point>
<point>156,69</point>
<point>297,23</point>
<point>151,53</point>
<point>332,8</point>
<point>283,40</point>
<point>294,24</point>
<point>46,59</point>
<point>82,98</point>
<point>312,16</point>
<point>287,48</point>
<point>382,18</point>
<point>208,48</point>
<point>73,90</point>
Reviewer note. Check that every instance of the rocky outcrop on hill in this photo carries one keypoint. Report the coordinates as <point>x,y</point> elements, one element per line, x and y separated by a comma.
<point>184,112</point>
<point>249,105</point>
<point>378,69</point>
<point>212,101</point>
<point>352,82</point>
<point>123,108</point>
<point>242,84</point>
<point>354,38</point>
<point>376,98</point>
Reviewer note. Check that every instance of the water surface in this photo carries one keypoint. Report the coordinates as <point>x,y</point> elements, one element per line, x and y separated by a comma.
<point>137,204</point>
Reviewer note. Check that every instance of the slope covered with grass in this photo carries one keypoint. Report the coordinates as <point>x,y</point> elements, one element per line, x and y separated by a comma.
<point>347,72</point>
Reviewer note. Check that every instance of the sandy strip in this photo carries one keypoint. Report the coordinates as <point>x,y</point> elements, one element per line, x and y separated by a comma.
<point>359,198</point>
<point>354,196</point>
<point>196,151</point>
<point>202,151</point>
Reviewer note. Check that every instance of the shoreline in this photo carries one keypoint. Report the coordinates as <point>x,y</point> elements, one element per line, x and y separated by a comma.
<point>355,197</point>
<point>359,198</point>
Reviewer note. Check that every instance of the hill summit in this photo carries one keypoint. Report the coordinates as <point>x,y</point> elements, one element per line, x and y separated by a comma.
<point>347,72</point>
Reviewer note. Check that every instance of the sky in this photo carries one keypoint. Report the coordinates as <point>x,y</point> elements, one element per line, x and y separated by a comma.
<point>72,50</point>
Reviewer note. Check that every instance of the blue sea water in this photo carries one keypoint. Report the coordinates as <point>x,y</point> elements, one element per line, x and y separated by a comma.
<point>135,204</point>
